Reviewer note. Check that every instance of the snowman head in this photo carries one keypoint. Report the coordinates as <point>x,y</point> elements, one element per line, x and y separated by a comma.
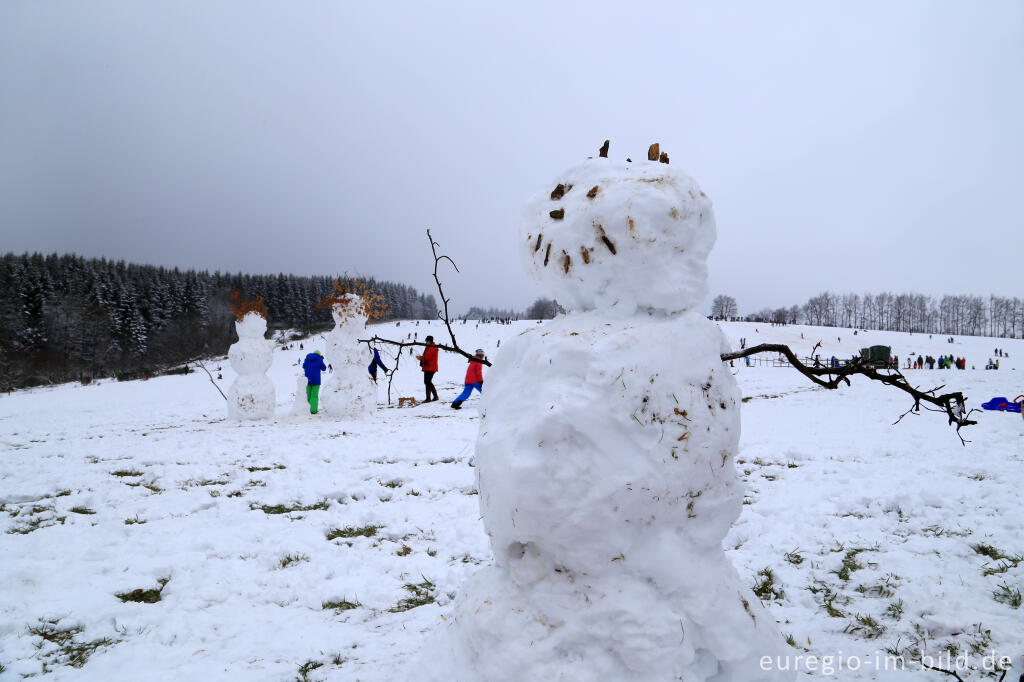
<point>619,235</point>
<point>349,307</point>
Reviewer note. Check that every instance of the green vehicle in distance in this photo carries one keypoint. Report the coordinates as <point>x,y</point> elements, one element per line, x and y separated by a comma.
<point>876,356</point>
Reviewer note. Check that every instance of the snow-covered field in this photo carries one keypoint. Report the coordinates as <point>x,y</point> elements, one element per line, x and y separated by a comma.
<point>306,548</point>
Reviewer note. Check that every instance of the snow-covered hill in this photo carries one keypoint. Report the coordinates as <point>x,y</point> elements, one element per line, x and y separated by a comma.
<point>305,548</point>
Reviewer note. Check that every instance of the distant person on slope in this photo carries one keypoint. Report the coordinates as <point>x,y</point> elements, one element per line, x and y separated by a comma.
<point>311,367</point>
<point>428,363</point>
<point>474,379</point>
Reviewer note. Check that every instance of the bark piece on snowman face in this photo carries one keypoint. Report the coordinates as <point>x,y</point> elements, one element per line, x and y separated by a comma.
<point>620,236</point>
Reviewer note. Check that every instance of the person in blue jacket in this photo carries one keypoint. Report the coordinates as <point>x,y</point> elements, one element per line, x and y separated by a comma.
<point>311,367</point>
<point>375,364</point>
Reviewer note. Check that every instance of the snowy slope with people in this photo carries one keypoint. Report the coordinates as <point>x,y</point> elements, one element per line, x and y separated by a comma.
<point>311,548</point>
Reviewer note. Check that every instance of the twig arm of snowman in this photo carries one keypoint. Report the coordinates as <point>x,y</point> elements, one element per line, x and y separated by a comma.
<point>199,363</point>
<point>954,405</point>
<point>441,315</point>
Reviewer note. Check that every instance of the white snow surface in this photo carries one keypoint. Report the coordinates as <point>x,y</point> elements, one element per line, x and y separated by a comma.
<point>641,241</point>
<point>110,487</point>
<point>251,395</point>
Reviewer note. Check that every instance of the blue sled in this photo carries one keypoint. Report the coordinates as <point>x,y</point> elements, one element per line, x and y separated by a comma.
<point>1002,404</point>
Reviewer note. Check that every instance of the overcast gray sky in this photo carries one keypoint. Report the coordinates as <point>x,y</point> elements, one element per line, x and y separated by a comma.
<point>851,146</point>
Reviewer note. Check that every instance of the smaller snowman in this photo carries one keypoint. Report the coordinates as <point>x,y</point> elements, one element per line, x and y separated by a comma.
<point>251,396</point>
<point>349,393</point>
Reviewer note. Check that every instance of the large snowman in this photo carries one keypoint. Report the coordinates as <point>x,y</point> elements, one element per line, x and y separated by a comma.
<point>605,456</point>
<point>348,392</point>
<point>251,396</point>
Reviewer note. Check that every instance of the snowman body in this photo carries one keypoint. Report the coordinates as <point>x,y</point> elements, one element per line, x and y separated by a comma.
<point>348,391</point>
<point>605,456</point>
<point>252,395</point>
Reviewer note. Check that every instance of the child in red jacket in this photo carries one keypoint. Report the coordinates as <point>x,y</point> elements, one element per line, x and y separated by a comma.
<point>474,379</point>
<point>428,363</point>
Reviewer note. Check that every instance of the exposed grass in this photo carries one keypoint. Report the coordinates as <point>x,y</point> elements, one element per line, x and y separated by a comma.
<point>288,508</point>
<point>405,551</point>
<point>396,483</point>
<point>421,594</point>
<point>82,510</point>
<point>64,649</point>
<point>150,596</point>
<point>125,472</point>
<point>791,640</point>
<point>895,609</point>
<point>134,520</point>
<point>985,549</point>
<point>865,626</point>
<point>153,488</point>
<point>828,599</point>
<point>291,559</point>
<point>305,669</point>
<point>793,558</point>
<point>765,587</point>
<point>340,605</point>
<point>271,468</point>
<point>353,532</point>
<point>940,532</point>
<point>850,564</point>
<point>1004,594</point>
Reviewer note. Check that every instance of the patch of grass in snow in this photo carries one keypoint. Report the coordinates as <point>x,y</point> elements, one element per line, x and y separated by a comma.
<point>396,483</point>
<point>865,626</point>
<point>63,648</point>
<point>765,587</point>
<point>353,532</point>
<point>305,669</point>
<point>895,609</point>
<point>431,552</point>
<point>62,493</point>
<point>884,589</point>
<point>791,640</point>
<point>828,599</point>
<point>850,563</point>
<point>420,594</point>
<point>82,510</point>
<point>276,466</point>
<point>940,532</point>
<point>288,508</point>
<point>134,520</point>
<point>405,551</point>
<point>413,493</point>
<point>291,559</point>
<point>340,605</point>
<point>1004,594</point>
<point>150,596</point>
<point>153,488</point>
<point>125,472</point>
<point>194,482</point>
<point>1004,565</point>
<point>793,557</point>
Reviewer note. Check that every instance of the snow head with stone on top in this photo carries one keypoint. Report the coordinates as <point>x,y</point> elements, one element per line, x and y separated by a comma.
<point>252,395</point>
<point>605,456</point>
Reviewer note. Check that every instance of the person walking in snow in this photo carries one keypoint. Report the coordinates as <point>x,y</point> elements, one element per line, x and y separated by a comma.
<point>374,364</point>
<point>474,379</point>
<point>428,363</point>
<point>311,367</point>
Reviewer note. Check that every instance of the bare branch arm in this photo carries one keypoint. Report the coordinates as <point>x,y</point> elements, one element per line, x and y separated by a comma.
<point>952,404</point>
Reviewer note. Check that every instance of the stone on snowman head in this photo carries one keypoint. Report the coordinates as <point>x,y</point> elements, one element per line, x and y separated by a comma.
<point>620,235</point>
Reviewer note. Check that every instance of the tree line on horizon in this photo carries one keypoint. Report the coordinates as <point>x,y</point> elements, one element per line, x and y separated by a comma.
<point>66,317</point>
<point>955,315</point>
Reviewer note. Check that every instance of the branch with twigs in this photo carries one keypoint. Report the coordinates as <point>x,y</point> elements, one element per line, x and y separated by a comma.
<point>953,405</point>
<point>442,315</point>
<point>199,363</point>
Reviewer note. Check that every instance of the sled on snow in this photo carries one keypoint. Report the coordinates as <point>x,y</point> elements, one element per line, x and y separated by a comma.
<point>1002,404</point>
